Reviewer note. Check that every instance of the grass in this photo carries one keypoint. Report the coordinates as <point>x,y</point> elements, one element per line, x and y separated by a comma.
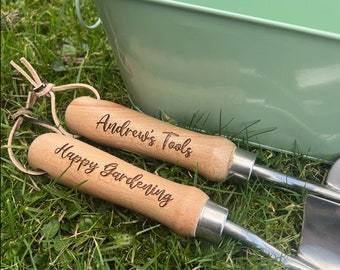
<point>47,226</point>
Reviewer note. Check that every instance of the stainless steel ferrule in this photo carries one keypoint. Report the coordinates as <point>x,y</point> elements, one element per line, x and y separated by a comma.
<point>243,162</point>
<point>211,222</point>
<point>213,216</point>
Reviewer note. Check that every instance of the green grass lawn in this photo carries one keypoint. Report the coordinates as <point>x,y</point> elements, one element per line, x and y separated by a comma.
<point>47,226</point>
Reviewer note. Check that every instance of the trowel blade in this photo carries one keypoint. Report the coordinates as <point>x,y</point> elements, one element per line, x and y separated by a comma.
<point>333,178</point>
<point>320,243</point>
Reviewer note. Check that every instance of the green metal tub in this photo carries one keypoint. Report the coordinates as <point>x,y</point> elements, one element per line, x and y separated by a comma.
<point>271,72</point>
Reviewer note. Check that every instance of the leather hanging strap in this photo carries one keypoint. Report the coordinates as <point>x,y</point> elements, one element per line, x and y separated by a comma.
<point>48,89</point>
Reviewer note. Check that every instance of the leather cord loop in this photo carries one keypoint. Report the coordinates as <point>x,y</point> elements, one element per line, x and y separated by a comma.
<point>19,116</point>
<point>48,89</point>
<point>40,89</point>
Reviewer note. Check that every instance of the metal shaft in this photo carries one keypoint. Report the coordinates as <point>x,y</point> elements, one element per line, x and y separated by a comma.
<point>251,239</point>
<point>282,179</point>
<point>213,224</point>
<point>244,165</point>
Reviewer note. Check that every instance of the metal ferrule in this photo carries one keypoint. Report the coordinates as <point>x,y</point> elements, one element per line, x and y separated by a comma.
<point>243,162</point>
<point>211,222</point>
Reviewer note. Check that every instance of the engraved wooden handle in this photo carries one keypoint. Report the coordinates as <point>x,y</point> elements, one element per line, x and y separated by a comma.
<point>102,175</point>
<point>114,125</point>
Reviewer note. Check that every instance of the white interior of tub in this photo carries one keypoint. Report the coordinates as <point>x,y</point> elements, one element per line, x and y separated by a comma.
<point>316,14</point>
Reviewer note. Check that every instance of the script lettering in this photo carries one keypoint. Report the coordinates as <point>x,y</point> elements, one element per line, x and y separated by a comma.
<point>112,171</point>
<point>124,130</point>
<point>66,153</point>
<point>136,182</point>
<point>172,141</point>
<point>179,147</point>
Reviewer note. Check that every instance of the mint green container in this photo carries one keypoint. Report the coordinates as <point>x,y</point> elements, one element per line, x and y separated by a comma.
<point>253,65</point>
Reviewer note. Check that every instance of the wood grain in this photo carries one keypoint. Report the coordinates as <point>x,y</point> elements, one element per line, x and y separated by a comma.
<point>95,172</point>
<point>114,125</point>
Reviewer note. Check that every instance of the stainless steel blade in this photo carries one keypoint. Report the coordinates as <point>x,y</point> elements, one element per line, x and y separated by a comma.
<point>320,242</point>
<point>333,179</point>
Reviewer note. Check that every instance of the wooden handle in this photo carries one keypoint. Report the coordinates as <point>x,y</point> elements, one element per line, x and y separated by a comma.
<point>114,125</point>
<point>102,175</point>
